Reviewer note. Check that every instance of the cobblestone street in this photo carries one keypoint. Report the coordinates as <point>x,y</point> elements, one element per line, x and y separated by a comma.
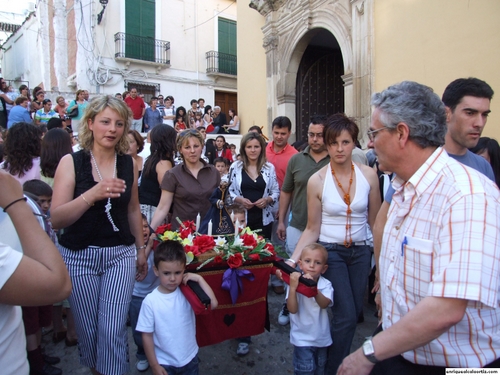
<point>270,352</point>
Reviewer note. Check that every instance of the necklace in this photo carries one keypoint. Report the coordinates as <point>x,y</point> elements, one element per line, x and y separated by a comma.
<point>251,175</point>
<point>347,200</point>
<point>108,205</point>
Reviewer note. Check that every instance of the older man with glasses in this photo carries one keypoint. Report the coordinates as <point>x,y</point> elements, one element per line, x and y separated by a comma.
<point>440,253</point>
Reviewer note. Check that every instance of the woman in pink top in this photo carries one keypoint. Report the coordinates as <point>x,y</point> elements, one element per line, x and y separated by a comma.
<point>22,152</point>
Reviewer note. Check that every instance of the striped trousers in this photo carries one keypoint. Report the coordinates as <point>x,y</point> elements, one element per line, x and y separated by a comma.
<point>103,280</point>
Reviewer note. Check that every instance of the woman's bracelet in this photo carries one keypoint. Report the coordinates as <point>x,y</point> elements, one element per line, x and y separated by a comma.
<point>13,202</point>
<point>86,201</point>
<point>140,248</point>
<point>291,260</point>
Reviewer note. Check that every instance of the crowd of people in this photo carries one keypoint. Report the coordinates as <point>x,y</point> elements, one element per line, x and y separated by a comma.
<point>433,233</point>
<point>24,106</point>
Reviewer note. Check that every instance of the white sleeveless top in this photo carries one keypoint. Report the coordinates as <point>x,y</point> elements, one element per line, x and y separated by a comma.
<point>333,210</point>
<point>236,127</point>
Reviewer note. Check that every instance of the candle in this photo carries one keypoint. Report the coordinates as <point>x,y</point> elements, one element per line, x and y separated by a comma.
<point>236,227</point>
<point>232,216</point>
<point>210,228</point>
<point>198,222</point>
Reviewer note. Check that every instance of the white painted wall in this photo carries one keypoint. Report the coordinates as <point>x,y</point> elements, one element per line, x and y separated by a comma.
<point>190,26</point>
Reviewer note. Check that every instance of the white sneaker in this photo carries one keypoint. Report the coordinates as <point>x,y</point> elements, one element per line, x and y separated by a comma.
<point>283,317</point>
<point>243,349</point>
<point>142,365</point>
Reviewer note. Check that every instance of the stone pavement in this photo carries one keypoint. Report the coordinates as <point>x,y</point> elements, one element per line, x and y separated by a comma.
<point>270,352</point>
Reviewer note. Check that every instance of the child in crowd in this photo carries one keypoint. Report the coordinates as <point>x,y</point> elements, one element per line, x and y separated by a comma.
<point>141,290</point>
<point>309,322</point>
<point>179,124</point>
<point>198,120</point>
<point>194,108</point>
<point>232,147</point>
<point>36,317</point>
<point>41,193</point>
<point>167,320</point>
<point>239,215</point>
<point>222,165</point>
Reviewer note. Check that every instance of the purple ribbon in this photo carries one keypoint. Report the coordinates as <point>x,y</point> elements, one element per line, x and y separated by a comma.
<point>231,281</point>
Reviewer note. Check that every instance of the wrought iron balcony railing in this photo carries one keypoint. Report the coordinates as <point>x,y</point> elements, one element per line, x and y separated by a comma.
<point>129,46</point>
<point>221,63</point>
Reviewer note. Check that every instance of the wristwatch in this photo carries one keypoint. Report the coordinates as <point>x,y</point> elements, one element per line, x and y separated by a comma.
<point>369,351</point>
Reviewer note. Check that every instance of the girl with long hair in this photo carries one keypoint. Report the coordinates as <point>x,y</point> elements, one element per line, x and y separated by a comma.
<point>234,124</point>
<point>222,149</point>
<point>55,145</point>
<point>254,184</point>
<point>160,160</point>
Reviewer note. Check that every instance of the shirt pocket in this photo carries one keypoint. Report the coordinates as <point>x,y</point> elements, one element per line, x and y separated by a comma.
<point>416,266</point>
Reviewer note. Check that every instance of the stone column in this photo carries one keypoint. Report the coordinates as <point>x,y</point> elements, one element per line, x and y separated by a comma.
<point>362,36</point>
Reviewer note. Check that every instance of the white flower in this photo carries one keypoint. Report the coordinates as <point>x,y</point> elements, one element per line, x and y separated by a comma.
<point>238,241</point>
<point>220,241</point>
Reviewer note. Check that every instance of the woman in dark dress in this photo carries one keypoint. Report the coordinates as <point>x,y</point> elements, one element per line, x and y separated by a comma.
<point>254,184</point>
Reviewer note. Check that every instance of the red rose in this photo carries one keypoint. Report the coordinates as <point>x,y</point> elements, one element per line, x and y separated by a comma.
<point>163,228</point>
<point>193,249</point>
<point>218,259</point>
<point>235,260</point>
<point>269,247</point>
<point>184,233</point>
<point>249,240</point>
<point>254,257</point>
<point>204,243</point>
<point>189,224</point>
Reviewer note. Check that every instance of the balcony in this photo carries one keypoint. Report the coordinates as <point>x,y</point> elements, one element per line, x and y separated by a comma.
<point>132,48</point>
<point>221,64</point>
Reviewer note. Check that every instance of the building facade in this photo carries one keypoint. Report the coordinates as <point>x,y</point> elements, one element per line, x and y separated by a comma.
<point>186,49</point>
<point>326,56</point>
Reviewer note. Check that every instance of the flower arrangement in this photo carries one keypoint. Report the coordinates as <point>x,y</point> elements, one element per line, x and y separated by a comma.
<point>234,250</point>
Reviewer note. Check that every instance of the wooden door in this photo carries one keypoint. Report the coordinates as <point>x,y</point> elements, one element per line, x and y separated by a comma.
<point>320,88</point>
<point>226,101</point>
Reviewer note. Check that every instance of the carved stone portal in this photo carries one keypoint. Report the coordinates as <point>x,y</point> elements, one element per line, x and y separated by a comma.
<point>289,28</point>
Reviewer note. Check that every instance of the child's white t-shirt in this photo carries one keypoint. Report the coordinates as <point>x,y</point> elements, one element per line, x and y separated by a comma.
<point>171,319</point>
<point>310,325</point>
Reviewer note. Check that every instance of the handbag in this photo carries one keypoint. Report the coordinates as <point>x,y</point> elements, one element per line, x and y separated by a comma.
<point>74,112</point>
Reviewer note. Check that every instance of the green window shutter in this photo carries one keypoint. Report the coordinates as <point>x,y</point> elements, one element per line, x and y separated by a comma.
<point>140,29</point>
<point>227,46</point>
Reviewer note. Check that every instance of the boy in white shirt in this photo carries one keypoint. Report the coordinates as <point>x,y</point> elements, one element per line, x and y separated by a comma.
<point>167,319</point>
<point>310,325</point>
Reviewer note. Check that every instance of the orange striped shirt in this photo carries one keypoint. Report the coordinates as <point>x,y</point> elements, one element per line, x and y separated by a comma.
<point>442,240</point>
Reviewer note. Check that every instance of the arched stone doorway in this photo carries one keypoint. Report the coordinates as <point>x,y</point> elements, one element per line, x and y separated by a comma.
<point>319,84</point>
<point>289,28</point>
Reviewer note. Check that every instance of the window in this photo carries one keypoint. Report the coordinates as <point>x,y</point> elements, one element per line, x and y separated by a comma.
<point>227,46</point>
<point>140,29</point>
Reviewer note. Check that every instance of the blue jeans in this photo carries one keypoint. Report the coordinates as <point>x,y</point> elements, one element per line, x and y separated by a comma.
<point>309,360</point>
<point>348,270</point>
<point>190,369</point>
<point>134,309</point>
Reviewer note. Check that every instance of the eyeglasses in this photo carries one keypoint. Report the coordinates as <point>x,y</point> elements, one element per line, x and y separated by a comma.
<point>371,133</point>
<point>315,135</point>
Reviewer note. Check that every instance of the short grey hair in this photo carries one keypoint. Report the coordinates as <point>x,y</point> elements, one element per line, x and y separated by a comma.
<point>417,106</point>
